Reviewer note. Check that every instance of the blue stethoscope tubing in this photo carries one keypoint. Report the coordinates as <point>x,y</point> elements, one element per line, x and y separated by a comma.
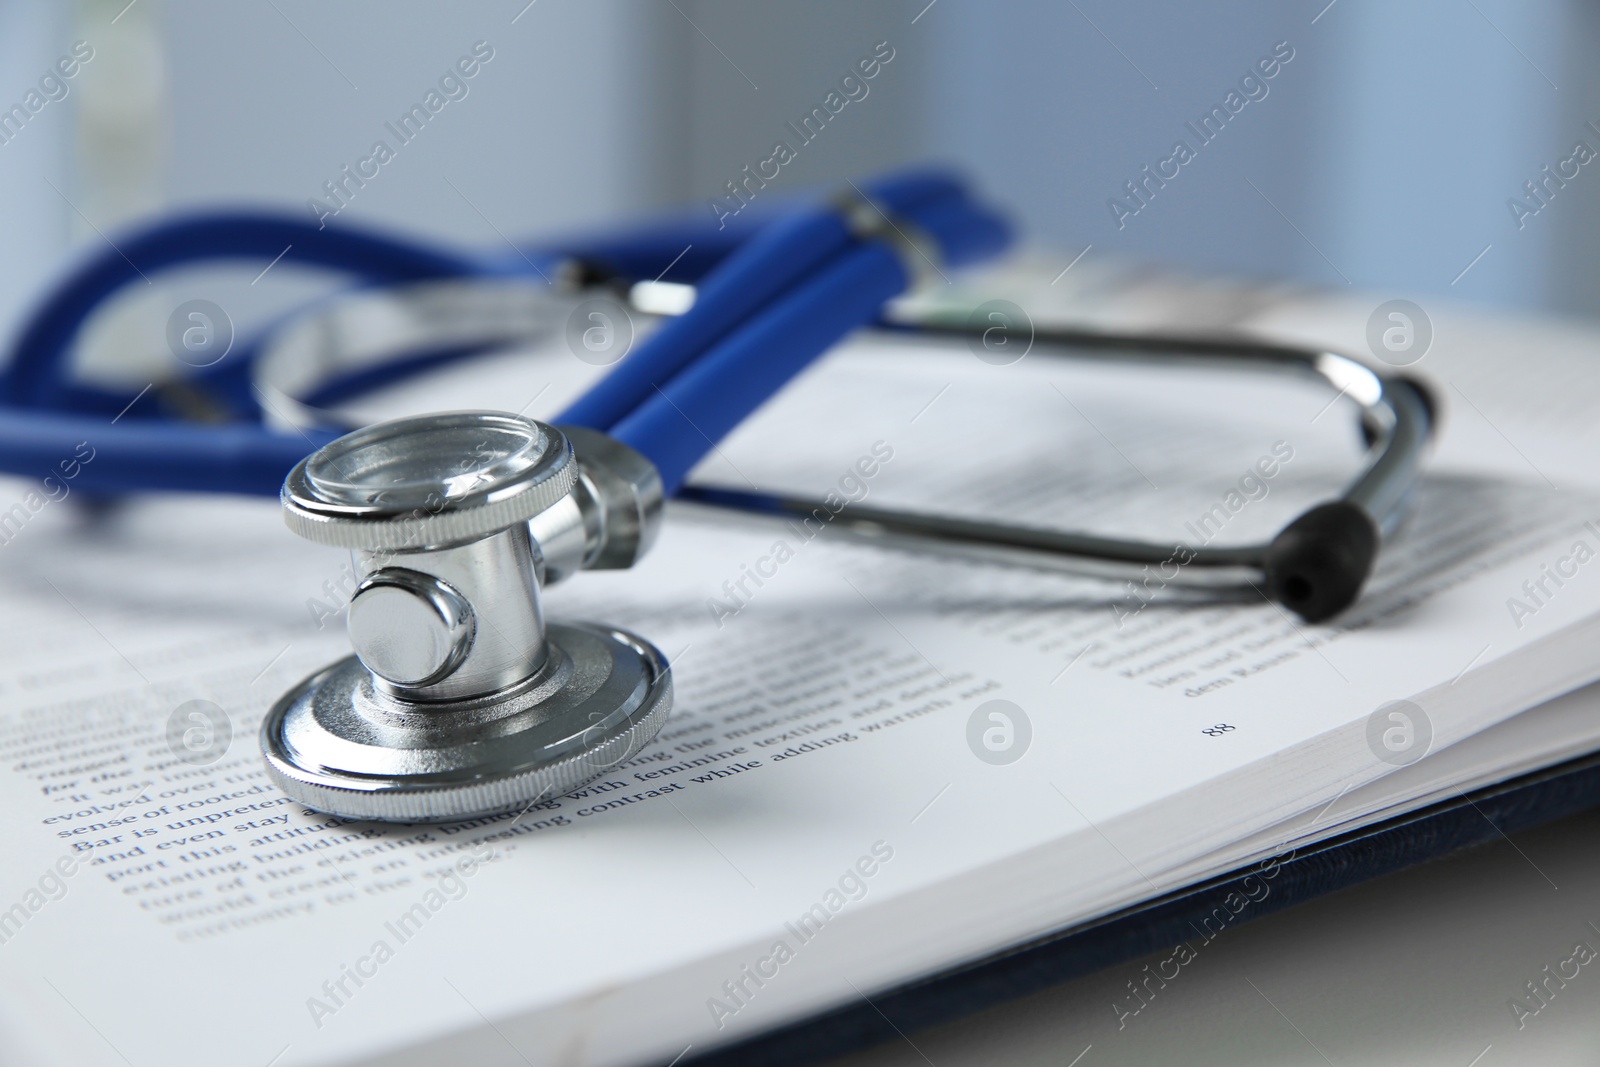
<point>772,294</point>
<point>706,397</point>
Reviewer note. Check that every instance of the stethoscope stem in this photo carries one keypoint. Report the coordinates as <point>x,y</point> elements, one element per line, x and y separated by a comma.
<point>685,418</point>
<point>774,306</point>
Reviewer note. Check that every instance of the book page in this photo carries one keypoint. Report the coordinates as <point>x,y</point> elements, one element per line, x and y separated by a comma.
<point>832,752</point>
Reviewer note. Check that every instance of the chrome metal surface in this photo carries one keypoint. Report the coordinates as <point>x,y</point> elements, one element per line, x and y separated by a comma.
<point>1008,544</point>
<point>409,628</point>
<point>626,490</point>
<point>428,481</point>
<point>370,328</point>
<point>340,744</point>
<point>437,507</point>
<point>919,254</point>
<point>495,576</point>
<point>1394,411</point>
<point>564,535</point>
<point>458,702</point>
<point>611,518</point>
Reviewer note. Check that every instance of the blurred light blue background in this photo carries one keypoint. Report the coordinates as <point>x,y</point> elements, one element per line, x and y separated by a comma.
<point>1382,157</point>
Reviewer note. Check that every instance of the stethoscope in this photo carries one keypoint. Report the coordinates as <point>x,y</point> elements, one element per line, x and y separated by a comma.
<point>460,699</point>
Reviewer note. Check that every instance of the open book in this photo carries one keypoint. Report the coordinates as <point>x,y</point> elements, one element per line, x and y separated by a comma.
<point>880,765</point>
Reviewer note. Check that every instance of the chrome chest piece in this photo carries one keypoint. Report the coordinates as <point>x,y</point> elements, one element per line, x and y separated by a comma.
<point>460,700</point>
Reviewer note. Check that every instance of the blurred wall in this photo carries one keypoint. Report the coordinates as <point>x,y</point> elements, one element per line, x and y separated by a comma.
<point>1382,152</point>
<point>1574,278</point>
<point>1432,117</point>
<point>1063,105</point>
<point>561,124</point>
<point>758,70</point>
<point>31,37</point>
<point>1381,155</point>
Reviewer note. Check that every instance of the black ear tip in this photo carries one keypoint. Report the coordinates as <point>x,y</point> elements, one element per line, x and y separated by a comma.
<point>1318,564</point>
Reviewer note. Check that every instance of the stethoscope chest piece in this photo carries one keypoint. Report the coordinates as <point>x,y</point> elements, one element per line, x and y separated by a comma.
<point>459,701</point>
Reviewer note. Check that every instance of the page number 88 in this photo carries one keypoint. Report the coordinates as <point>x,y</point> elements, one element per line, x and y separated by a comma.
<point>1218,730</point>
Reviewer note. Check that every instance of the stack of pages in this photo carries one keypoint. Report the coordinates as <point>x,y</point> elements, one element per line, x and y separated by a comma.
<point>881,765</point>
